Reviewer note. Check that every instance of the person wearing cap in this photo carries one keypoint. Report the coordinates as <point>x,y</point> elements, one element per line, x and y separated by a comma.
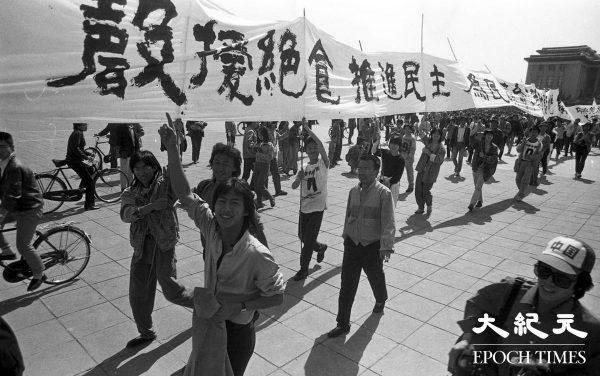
<point>485,160</point>
<point>563,272</point>
<point>76,155</point>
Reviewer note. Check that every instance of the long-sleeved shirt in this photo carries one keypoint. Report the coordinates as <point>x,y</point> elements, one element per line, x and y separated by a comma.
<point>76,147</point>
<point>245,273</point>
<point>370,216</point>
<point>19,191</point>
<point>392,166</point>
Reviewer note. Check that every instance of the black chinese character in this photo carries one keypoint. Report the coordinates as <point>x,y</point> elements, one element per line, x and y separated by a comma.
<point>290,60</point>
<point>102,35</point>
<point>319,56</point>
<point>389,81</point>
<point>494,89</point>
<point>233,57</point>
<point>411,73</point>
<point>267,45</point>
<point>437,83</point>
<point>363,76</point>
<point>475,86</point>
<point>153,34</point>
<point>207,35</point>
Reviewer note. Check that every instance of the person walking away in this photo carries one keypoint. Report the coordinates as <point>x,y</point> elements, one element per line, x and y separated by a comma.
<point>22,202</point>
<point>230,133</point>
<point>571,130</point>
<point>313,202</point>
<point>582,145</point>
<point>546,144</point>
<point>195,129</point>
<point>450,135</point>
<point>368,234</point>
<point>485,160</point>
<point>76,155</point>
<point>407,152</point>
<point>294,138</point>
<point>428,169</point>
<point>460,142</point>
<point>529,151</point>
<point>392,167</point>
<point>240,274</point>
<point>351,128</point>
<point>263,154</point>
<point>148,206</point>
<point>559,142</point>
<point>249,148</point>
<point>273,165</point>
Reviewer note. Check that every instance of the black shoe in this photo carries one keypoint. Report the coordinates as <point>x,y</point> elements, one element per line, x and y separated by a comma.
<point>281,193</point>
<point>378,307</point>
<point>470,207</point>
<point>36,283</point>
<point>409,190</point>
<point>92,207</point>
<point>8,257</point>
<point>137,341</point>
<point>338,331</point>
<point>272,202</point>
<point>321,253</point>
<point>479,204</point>
<point>301,275</point>
<point>419,211</point>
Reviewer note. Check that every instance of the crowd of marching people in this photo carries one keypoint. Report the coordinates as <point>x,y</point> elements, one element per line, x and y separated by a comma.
<point>241,275</point>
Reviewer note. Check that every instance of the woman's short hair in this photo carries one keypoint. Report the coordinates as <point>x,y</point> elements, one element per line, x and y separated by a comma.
<point>230,152</point>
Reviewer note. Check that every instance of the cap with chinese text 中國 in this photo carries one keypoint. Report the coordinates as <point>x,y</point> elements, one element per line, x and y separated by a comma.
<point>568,255</point>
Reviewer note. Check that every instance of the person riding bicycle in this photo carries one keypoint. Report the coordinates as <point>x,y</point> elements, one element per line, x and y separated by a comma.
<point>76,155</point>
<point>23,202</point>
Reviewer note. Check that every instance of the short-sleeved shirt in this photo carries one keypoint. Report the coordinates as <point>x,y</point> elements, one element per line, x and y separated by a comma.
<point>245,273</point>
<point>314,188</point>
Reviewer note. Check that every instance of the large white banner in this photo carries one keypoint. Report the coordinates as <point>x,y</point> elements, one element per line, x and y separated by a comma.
<point>135,59</point>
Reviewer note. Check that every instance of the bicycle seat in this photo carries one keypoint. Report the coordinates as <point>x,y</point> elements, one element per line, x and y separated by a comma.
<point>59,162</point>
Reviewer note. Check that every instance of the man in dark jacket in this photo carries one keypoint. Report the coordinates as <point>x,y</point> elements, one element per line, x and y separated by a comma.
<point>195,129</point>
<point>21,201</point>
<point>76,155</point>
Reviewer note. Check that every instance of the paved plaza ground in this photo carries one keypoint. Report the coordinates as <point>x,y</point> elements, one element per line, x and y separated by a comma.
<point>81,328</point>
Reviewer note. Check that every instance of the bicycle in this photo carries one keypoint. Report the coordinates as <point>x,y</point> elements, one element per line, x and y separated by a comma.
<point>107,186</point>
<point>64,250</point>
<point>99,156</point>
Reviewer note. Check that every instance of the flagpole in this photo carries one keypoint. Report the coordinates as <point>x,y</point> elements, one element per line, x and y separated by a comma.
<point>452,49</point>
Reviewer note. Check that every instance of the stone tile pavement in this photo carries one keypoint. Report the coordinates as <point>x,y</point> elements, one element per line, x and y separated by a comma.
<point>81,328</point>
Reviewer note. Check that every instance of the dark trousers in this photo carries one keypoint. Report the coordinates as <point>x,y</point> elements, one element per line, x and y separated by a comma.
<point>558,146</point>
<point>241,340</point>
<point>568,145</point>
<point>86,180</point>
<point>356,258</point>
<point>448,149</point>
<point>501,149</point>
<point>275,175</point>
<point>470,156</point>
<point>196,144</point>
<point>152,266</point>
<point>350,134</point>
<point>580,157</point>
<point>309,225</point>
<point>423,192</point>
<point>544,161</point>
<point>248,166</point>
<point>338,150</point>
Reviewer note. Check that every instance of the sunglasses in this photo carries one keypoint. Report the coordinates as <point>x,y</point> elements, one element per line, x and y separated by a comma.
<point>558,279</point>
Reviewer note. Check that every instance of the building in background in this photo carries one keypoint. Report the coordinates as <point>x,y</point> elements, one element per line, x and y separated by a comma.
<point>575,70</point>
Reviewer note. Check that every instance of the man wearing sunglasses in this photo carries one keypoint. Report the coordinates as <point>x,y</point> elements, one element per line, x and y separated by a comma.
<point>563,277</point>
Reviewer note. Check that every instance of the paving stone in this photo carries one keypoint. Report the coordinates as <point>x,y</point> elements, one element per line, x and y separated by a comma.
<point>73,301</point>
<point>296,344</point>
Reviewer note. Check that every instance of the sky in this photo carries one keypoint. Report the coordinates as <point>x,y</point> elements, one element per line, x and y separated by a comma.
<point>499,34</point>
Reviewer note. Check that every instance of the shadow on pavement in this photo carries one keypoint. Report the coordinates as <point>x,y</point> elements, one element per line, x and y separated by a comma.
<point>140,364</point>
<point>26,299</point>
<point>419,224</point>
<point>320,362</point>
<point>296,289</point>
<point>455,179</point>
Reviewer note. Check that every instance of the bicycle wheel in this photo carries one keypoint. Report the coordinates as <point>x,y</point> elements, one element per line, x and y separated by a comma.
<point>65,252</point>
<point>50,183</point>
<point>97,159</point>
<point>107,184</point>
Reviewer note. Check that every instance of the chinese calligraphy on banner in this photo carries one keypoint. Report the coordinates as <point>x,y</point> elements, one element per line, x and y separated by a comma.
<point>136,59</point>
